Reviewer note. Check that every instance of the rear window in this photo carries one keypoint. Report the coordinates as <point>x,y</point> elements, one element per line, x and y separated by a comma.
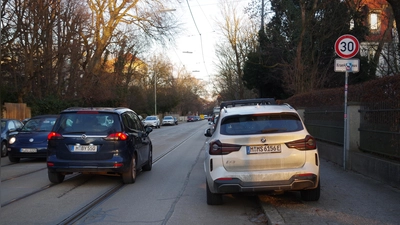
<point>88,123</point>
<point>260,124</point>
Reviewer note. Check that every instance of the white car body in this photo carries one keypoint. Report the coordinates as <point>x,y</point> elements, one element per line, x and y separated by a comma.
<point>273,166</point>
<point>151,121</point>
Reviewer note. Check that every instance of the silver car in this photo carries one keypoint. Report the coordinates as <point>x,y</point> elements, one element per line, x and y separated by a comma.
<point>259,147</point>
<point>151,121</point>
<point>168,120</point>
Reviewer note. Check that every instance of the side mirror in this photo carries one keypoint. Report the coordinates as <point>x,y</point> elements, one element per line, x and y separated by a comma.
<point>148,130</point>
<point>207,132</point>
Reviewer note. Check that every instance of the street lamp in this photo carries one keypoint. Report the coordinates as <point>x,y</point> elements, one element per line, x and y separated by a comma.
<point>155,94</point>
<point>155,74</point>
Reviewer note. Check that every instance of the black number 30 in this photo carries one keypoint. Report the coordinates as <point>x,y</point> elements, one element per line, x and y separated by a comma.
<point>347,46</point>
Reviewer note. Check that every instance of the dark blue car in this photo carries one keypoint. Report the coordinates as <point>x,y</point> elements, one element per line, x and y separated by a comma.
<point>30,141</point>
<point>8,126</point>
<point>99,140</point>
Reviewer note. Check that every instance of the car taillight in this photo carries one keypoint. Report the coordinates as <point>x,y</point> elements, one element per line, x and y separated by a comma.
<point>54,135</point>
<point>308,143</point>
<point>120,136</point>
<point>218,148</point>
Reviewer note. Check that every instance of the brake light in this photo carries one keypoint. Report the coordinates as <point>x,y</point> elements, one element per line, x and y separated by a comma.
<point>54,135</point>
<point>50,164</point>
<point>218,148</point>
<point>120,136</point>
<point>308,143</point>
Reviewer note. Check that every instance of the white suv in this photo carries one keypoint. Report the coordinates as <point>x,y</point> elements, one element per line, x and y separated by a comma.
<point>259,146</point>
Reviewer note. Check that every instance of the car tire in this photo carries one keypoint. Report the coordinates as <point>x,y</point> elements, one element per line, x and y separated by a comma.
<point>149,163</point>
<point>13,159</point>
<point>3,149</point>
<point>311,194</point>
<point>129,177</point>
<point>55,177</point>
<point>213,199</point>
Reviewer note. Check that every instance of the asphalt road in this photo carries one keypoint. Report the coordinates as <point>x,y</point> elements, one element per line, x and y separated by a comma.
<point>346,198</point>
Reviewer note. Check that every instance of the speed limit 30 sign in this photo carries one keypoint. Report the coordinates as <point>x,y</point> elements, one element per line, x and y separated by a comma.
<point>347,46</point>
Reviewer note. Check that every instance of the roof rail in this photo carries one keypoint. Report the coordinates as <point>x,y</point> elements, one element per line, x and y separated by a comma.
<point>255,101</point>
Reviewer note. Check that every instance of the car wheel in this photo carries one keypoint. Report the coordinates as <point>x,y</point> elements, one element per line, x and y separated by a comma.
<point>129,177</point>
<point>312,194</point>
<point>149,163</point>
<point>13,159</point>
<point>3,149</point>
<point>213,199</point>
<point>55,177</point>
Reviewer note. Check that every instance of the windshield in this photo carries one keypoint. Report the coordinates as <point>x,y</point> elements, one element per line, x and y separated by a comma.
<point>39,124</point>
<point>151,118</point>
<point>168,118</point>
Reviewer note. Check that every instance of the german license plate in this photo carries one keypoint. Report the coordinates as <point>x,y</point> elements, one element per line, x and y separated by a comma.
<point>29,150</point>
<point>263,149</point>
<point>85,148</point>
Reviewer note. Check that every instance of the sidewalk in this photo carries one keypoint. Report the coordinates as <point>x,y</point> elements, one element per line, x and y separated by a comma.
<point>346,198</point>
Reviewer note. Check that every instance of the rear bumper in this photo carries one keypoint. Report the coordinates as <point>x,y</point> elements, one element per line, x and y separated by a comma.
<point>114,165</point>
<point>235,185</point>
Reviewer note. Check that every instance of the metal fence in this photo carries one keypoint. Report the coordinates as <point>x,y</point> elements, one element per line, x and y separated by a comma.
<point>380,128</point>
<point>325,123</point>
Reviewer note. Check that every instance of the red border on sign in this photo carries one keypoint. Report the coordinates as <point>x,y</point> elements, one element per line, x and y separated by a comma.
<point>352,54</point>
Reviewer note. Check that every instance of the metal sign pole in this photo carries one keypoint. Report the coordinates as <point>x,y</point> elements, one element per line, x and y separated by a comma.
<point>345,138</point>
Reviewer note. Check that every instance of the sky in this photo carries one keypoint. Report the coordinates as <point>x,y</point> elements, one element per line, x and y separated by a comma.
<point>195,46</point>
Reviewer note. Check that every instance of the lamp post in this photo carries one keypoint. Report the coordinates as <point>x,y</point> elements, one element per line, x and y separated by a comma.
<point>155,94</point>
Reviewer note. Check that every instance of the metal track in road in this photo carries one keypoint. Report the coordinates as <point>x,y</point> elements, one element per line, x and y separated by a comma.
<point>86,209</point>
<point>33,192</point>
<point>24,174</point>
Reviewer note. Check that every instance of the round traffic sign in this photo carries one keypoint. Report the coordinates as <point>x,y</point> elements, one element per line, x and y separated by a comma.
<point>347,46</point>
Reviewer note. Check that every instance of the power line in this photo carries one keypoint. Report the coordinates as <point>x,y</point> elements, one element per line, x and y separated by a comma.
<point>201,40</point>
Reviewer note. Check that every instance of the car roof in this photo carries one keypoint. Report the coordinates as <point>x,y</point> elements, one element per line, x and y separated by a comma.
<point>97,109</point>
<point>45,116</point>
<point>257,109</point>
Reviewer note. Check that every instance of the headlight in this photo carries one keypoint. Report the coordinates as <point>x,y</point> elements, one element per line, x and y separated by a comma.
<point>12,140</point>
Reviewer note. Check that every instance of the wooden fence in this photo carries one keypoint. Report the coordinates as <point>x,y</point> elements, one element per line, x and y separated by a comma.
<point>17,111</point>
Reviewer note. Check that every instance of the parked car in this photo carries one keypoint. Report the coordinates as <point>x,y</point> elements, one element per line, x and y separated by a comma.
<point>30,141</point>
<point>168,120</point>
<point>99,140</point>
<point>176,121</point>
<point>152,121</point>
<point>191,118</point>
<point>258,148</point>
<point>8,126</point>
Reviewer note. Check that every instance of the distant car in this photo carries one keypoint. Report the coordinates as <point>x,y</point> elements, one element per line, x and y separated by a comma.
<point>8,126</point>
<point>191,118</point>
<point>168,120</point>
<point>30,141</point>
<point>99,140</point>
<point>259,146</point>
<point>152,121</point>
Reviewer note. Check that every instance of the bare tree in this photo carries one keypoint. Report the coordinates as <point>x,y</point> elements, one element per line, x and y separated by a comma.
<point>239,38</point>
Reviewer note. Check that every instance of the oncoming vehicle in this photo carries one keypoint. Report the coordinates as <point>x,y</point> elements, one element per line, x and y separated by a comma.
<point>258,146</point>
<point>30,141</point>
<point>8,126</point>
<point>109,141</point>
<point>152,121</point>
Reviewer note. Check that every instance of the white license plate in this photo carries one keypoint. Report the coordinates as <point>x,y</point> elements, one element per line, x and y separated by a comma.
<point>85,148</point>
<point>263,149</point>
<point>29,150</point>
